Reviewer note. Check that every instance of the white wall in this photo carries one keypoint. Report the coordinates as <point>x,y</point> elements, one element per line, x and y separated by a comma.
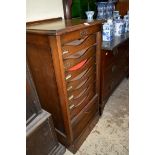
<point>43,9</point>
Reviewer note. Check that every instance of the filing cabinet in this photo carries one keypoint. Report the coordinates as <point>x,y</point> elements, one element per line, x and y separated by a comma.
<point>64,58</point>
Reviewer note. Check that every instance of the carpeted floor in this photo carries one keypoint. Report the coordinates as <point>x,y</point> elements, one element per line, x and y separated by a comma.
<point>110,136</point>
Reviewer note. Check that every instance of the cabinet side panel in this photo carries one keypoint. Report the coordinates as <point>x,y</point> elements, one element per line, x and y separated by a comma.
<point>41,66</point>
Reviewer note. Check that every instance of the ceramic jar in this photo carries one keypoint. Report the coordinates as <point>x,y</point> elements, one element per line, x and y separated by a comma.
<point>101,10</point>
<point>119,27</point>
<point>109,10</point>
<point>90,15</point>
<point>107,34</point>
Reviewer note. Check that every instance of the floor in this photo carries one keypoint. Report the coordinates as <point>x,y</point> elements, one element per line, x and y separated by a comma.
<point>110,136</point>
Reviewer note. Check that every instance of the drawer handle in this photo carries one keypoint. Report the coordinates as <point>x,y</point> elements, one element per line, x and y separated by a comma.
<point>71,106</point>
<point>65,52</point>
<point>68,76</point>
<point>69,88</point>
<point>71,97</point>
<point>83,33</point>
<point>106,53</point>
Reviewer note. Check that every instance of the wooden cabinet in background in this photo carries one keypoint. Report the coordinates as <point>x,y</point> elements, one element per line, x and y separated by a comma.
<point>122,6</point>
<point>40,134</point>
<point>64,58</point>
<point>114,66</point>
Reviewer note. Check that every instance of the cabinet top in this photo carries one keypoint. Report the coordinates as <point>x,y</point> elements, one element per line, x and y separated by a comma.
<point>117,40</point>
<point>60,26</point>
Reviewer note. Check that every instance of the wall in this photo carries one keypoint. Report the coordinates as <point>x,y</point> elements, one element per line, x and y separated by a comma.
<point>43,9</point>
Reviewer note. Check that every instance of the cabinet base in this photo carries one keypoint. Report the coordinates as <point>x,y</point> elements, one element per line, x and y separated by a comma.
<point>78,142</point>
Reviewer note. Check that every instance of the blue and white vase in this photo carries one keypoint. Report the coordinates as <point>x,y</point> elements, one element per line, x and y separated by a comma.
<point>89,15</point>
<point>101,10</point>
<point>119,27</point>
<point>107,31</point>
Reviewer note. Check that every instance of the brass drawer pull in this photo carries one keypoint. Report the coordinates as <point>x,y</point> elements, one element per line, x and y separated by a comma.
<point>106,53</point>
<point>71,106</point>
<point>71,97</point>
<point>68,76</point>
<point>64,52</point>
<point>69,88</point>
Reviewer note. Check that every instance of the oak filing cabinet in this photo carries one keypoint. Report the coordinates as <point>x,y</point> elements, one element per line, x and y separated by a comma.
<point>40,134</point>
<point>64,58</point>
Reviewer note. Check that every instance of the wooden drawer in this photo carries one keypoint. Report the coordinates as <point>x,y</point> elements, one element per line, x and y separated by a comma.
<point>74,60</point>
<point>75,109</point>
<point>76,99</point>
<point>123,49</point>
<point>108,89</point>
<point>81,78</point>
<point>110,57</point>
<point>78,45</point>
<point>81,86</point>
<point>110,84</point>
<point>78,34</point>
<point>79,123</point>
<point>111,73</point>
<point>79,69</point>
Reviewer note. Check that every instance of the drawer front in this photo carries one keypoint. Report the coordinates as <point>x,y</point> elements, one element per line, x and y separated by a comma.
<point>72,61</point>
<point>78,45</point>
<point>110,83</point>
<point>76,99</point>
<point>82,86</point>
<point>123,49</point>
<point>111,73</point>
<point>81,78</point>
<point>109,88</point>
<point>78,34</point>
<point>110,57</point>
<point>79,68</point>
<point>80,122</point>
<point>76,108</point>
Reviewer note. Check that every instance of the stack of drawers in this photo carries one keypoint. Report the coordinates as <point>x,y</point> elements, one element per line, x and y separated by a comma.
<point>80,72</point>
<point>66,61</point>
<point>115,66</point>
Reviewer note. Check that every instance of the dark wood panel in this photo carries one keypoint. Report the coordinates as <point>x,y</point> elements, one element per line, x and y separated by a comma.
<point>41,138</point>
<point>33,107</point>
<point>39,60</point>
<point>114,67</point>
<point>122,6</point>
